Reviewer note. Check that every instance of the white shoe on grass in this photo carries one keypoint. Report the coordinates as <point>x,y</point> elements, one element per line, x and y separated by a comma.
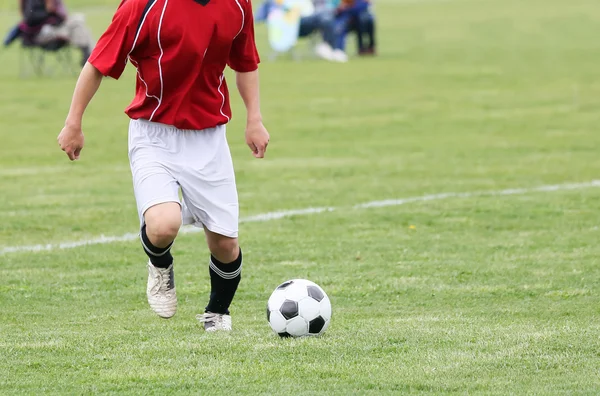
<point>161,291</point>
<point>339,56</point>
<point>215,322</point>
<point>324,51</point>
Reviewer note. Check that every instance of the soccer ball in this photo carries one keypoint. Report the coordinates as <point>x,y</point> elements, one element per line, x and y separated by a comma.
<point>299,308</point>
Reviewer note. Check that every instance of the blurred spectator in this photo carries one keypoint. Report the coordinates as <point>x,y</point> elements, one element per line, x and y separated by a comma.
<point>323,20</point>
<point>46,21</point>
<point>316,16</point>
<point>355,15</point>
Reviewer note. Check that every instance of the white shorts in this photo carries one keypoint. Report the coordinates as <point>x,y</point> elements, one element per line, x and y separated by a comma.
<point>165,160</point>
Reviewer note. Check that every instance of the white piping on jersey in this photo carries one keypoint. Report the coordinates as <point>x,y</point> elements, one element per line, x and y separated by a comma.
<point>137,36</point>
<point>162,85</point>
<point>140,30</point>
<point>222,78</point>
<point>243,17</point>
<point>134,63</point>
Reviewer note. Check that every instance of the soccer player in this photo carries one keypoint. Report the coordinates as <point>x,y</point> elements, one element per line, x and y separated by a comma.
<point>177,131</point>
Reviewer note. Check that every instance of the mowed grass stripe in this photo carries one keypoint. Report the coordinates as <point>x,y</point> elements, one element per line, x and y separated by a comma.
<point>103,239</point>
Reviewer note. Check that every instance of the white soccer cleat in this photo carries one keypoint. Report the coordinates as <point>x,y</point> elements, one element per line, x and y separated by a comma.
<point>161,291</point>
<point>324,51</point>
<point>215,322</point>
<point>339,56</point>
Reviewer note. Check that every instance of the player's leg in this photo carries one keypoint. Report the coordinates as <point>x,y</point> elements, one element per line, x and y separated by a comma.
<point>156,193</point>
<point>210,195</point>
<point>161,225</point>
<point>225,268</point>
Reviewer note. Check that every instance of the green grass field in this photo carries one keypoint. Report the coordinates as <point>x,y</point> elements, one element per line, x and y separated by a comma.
<point>493,293</point>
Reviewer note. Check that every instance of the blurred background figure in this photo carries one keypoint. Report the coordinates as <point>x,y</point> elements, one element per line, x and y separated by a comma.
<point>322,20</point>
<point>46,23</point>
<point>355,16</point>
<point>315,17</point>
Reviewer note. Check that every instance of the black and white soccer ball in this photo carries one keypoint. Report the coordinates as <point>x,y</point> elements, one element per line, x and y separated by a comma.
<point>299,308</point>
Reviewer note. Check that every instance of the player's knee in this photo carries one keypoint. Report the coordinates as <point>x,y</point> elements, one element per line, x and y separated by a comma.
<point>224,249</point>
<point>162,232</point>
<point>163,223</point>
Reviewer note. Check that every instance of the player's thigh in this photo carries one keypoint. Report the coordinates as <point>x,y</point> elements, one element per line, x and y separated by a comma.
<point>208,185</point>
<point>212,205</point>
<point>153,180</point>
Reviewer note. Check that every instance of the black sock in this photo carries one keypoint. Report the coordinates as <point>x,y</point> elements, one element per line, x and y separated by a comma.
<point>224,281</point>
<point>159,257</point>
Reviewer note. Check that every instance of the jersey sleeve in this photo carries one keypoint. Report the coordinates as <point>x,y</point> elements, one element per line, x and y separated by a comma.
<point>111,52</point>
<point>243,56</point>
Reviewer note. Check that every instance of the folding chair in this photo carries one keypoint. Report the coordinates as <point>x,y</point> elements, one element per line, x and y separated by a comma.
<point>48,59</point>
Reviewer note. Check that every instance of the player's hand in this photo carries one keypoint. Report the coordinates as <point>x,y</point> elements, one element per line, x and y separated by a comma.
<point>257,138</point>
<point>71,141</point>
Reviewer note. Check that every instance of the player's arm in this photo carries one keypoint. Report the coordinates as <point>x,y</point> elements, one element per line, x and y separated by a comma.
<point>71,138</point>
<point>85,89</point>
<point>257,136</point>
<point>108,59</point>
<point>244,59</point>
<point>248,86</point>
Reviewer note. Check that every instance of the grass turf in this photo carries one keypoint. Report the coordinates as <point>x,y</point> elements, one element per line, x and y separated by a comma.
<point>483,294</point>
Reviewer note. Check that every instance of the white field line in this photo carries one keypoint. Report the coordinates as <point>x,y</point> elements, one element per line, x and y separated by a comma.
<point>34,171</point>
<point>102,239</point>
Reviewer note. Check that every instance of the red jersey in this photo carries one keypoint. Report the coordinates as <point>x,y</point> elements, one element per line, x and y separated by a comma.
<point>180,49</point>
